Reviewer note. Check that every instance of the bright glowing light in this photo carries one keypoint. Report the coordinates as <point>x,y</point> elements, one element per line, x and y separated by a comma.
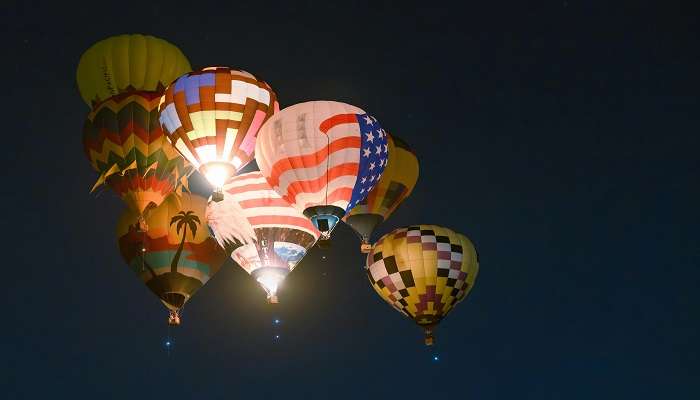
<point>237,162</point>
<point>270,281</point>
<point>436,358</point>
<point>277,321</point>
<point>277,336</point>
<point>217,175</point>
<point>167,343</point>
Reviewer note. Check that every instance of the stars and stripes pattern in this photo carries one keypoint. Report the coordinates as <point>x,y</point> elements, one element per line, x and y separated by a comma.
<point>214,114</point>
<point>263,207</point>
<point>373,160</point>
<point>318,153</point>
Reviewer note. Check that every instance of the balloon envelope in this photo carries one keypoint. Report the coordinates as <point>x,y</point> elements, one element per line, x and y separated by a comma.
<point>266,236</point>
<point>126,63</point>
<point>323,157</point>
<point>124,142</point>
<point>180,255</point>
<point>212,117</point>
<point>423,271</point>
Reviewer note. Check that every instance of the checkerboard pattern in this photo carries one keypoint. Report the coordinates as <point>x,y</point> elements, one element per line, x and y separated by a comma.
<point>423,271</point>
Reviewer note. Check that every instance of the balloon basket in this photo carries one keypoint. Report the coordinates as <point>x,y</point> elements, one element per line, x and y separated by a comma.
<point>174,318</point>
<point>365,248</point>
<point>429,340</point>
<point>217,195</point>
<point>141,225</point>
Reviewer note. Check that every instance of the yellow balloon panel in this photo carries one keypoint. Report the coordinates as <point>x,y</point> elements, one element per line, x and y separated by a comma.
<point>423,271</point>
<point>397,182</point>
<point>128,62</point>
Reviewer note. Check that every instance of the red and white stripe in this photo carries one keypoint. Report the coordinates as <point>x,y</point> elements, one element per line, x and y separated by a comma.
<point>310,153</point>
<point>262,206</point>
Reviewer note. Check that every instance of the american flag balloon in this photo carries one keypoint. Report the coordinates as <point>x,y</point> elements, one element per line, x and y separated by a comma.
<point>323,157</point>
<point>264,234</point>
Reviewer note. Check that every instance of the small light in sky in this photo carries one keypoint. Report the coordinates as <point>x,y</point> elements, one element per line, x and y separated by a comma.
<point>323,257</point>
<point>276,321</point>
<point>277,336</point>
<point>168,343</point>
<point>436,358</point>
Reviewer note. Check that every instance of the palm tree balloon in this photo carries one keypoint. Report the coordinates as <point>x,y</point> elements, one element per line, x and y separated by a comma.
<point>184,220</point>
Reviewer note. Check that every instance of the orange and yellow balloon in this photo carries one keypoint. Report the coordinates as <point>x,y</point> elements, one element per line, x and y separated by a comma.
<point>125,144</point>
<point>212,117</point>
<point>177,255</point>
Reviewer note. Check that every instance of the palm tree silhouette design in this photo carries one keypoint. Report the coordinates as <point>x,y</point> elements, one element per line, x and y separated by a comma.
<point>184,220</point>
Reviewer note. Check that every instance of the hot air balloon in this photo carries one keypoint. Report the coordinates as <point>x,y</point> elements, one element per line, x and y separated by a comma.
<point>266,235</point>
<point>423,271</point>
<point>212,117</point>
<point>126,145</point>
<point>323,157</point>
<point>397,182</point>
<point>126,63</point>
<point>177,256</point>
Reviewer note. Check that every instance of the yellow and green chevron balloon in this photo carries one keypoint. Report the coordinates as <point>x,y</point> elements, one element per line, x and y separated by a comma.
<point>126,63</point>
<point>423,271</point>
<point>124,142</point>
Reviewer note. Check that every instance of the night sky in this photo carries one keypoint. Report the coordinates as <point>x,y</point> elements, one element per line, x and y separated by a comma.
<point>562,138</point>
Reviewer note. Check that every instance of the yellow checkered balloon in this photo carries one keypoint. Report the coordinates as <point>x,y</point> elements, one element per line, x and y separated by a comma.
<point>423,271</point>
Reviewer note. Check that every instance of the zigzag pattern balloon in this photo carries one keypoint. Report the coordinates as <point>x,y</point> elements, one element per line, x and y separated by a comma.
<point>126,145</point>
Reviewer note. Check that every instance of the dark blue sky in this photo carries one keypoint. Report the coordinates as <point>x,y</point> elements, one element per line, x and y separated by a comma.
<point>561,137</point>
